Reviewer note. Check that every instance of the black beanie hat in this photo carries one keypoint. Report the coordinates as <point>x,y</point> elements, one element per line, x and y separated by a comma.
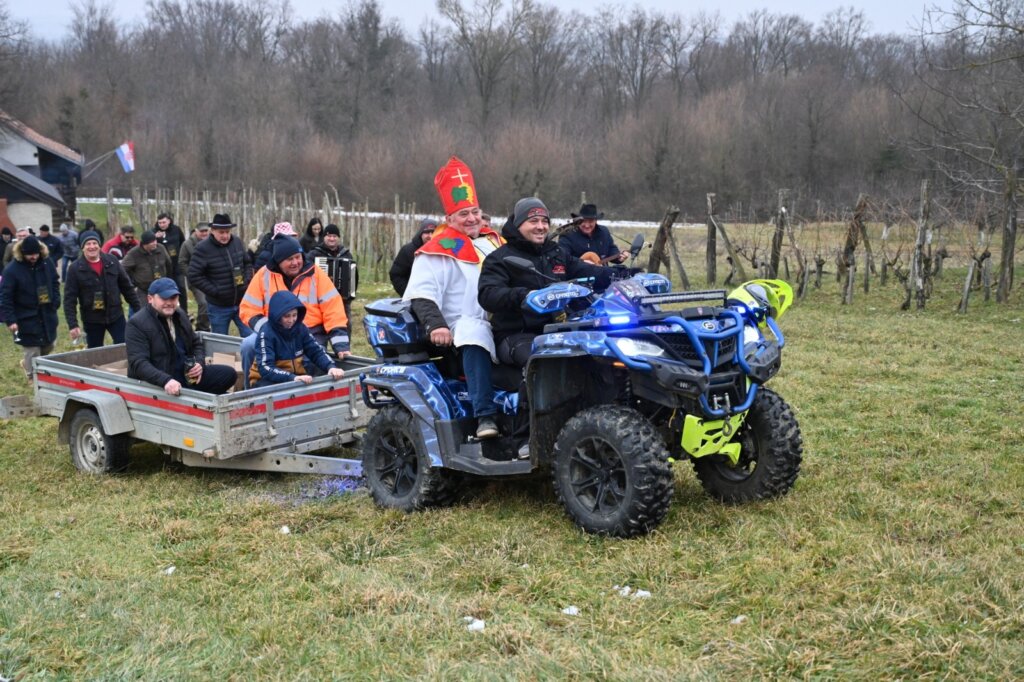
<point>30,245</point>
<point>148,237</point>
<point>332,229</point>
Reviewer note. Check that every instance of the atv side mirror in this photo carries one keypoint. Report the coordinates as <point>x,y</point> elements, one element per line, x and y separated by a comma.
<point>519,263</point>
<point>636,245</point>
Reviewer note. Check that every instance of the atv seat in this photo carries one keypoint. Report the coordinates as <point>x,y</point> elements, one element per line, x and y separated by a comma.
<point>449,363</point>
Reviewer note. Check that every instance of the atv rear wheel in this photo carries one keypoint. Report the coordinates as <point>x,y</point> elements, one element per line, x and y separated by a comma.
<point>396,465</point>
<point>611,472</point>
<point>770,454</point>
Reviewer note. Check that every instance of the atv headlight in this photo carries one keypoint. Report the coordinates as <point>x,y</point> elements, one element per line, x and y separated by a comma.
<point>751,334</point>
<point>635,347</point>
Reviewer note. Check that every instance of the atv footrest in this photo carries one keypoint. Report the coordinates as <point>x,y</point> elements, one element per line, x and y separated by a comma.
<point>470,460</point>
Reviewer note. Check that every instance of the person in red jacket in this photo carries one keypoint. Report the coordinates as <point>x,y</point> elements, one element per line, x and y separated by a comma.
<point>121,243</point>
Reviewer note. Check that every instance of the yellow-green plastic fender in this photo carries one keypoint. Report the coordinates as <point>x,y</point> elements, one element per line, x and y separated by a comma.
<point>775,292</point>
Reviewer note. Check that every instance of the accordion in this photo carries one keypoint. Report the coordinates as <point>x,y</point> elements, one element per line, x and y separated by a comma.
<point>342,272</point>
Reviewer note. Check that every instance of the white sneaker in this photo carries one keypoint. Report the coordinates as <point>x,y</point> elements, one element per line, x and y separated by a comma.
<point>524,451</point>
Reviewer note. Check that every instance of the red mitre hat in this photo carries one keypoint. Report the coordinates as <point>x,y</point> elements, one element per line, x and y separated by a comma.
<point>455,186</point>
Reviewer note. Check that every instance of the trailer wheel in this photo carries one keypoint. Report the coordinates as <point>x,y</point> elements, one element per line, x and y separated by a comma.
<point>396,465</point>
<point>92,450</point>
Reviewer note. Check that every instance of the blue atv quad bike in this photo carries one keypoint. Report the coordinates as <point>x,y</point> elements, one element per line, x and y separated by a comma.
<point>618,391</point>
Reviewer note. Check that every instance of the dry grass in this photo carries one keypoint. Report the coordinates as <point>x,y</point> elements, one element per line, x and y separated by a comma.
<point>897,555</point>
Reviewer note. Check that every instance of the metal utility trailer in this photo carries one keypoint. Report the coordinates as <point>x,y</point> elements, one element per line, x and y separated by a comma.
<point>273,428</point>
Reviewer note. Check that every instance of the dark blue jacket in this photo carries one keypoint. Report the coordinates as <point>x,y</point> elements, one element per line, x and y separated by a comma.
<point>575,243</point>
<point>23,286</point>
<point>279,351</point>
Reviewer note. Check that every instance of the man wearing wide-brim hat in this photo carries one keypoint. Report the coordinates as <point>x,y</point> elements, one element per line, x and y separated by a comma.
<point>591,241</point>
<point>221,268</point>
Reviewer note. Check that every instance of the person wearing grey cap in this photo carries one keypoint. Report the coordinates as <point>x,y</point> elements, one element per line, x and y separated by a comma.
<point>502,289</point>
<point>94,285</point>
<point>163,349</point>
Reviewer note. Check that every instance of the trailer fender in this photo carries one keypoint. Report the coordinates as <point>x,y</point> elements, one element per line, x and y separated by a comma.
<point>112,410</point>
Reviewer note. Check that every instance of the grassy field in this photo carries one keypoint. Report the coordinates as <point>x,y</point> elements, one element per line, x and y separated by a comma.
<point>899,553</point>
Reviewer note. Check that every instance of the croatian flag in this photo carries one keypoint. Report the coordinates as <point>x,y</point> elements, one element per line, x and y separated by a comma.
<point>126,155</point>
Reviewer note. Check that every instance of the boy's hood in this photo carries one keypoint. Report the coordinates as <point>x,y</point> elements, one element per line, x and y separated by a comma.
<point>280,303</point>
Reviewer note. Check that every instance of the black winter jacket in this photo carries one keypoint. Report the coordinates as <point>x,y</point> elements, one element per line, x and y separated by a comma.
<point>503,289</point>
<point>152,354</point>
<point>401,268</point>
<point>20,292</point>
<point>323,252</point>
<point>213,267</point>
<point>174,239</point>
<point>83,284</point>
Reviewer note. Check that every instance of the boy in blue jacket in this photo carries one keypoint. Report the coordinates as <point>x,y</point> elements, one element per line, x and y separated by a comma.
<point>283,345</point>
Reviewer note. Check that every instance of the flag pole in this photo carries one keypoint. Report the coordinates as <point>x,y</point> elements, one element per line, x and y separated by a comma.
<point>96,163</point>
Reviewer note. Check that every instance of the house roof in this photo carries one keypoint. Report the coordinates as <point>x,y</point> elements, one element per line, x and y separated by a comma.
<point>29,184</point>
<point>39,140</point>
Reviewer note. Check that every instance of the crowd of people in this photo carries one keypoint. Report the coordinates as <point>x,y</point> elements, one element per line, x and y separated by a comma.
<point>289,295</point>
<point>92,280</point>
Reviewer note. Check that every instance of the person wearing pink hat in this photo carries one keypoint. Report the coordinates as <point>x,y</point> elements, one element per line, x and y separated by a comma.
<point>265,252</point>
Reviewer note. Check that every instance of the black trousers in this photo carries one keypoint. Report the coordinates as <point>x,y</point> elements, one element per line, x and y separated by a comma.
<point>216,379</point>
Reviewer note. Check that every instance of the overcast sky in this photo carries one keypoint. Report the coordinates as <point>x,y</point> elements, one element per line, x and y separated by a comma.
<point>51,18</point>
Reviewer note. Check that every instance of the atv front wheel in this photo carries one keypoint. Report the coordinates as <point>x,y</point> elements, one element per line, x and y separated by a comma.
<point>611,472</point>
<point>770,452</point>
<point>396,465</point>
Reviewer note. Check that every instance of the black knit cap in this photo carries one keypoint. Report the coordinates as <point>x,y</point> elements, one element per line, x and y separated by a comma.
<point>332,229</point>
<point>30,245</point>
<point>148,237</point>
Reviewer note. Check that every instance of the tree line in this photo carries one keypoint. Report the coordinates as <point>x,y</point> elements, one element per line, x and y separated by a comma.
<point>636,108</point>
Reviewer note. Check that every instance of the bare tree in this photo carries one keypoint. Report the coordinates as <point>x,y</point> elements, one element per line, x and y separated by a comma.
<point>840,35</point>
<point>543,63</point>
<point>969,101</point>
<point>13,36</point>
<point>635,50</point>
<point>488,37</point>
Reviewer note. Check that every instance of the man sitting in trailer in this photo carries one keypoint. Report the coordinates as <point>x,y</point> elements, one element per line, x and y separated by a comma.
<point>163,350</point>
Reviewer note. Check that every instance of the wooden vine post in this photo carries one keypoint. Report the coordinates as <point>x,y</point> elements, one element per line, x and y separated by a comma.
<point>780,230</point>
<point>919,261</point>
<point>711,252</point>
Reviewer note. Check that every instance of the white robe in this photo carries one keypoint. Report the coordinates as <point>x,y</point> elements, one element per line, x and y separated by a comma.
<point>452,286</point>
